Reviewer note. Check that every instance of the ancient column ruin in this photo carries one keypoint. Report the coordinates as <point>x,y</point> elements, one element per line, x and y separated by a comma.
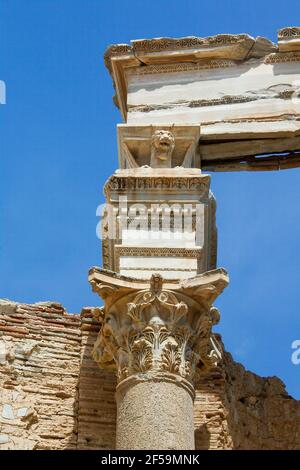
<point>190,105</point>
<point>146,370</point>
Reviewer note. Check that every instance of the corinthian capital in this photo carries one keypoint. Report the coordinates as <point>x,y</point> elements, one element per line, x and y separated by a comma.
<point>155,327</point>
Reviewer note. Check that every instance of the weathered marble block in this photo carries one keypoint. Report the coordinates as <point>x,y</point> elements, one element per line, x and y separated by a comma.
<point>159,221</point>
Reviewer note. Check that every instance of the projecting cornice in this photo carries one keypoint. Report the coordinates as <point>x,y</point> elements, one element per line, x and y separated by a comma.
<point>146,52</point>
<point>223,46</point>
<point>235,88</point>
<point>171,55</point>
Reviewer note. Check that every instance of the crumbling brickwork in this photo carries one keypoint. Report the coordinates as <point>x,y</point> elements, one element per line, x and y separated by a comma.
<point>261,414</point>
<point>237,409</point>
<point>54,396</point>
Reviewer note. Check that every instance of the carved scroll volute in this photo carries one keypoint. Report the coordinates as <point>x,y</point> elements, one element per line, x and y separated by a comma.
<point>158,331</point>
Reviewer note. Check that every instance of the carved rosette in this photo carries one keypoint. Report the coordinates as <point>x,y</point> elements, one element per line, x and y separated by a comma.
<point>155,330</point>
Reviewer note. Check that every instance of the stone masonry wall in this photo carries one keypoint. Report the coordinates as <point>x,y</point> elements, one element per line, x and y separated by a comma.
<point>237,409</point>
<point>54,396</point>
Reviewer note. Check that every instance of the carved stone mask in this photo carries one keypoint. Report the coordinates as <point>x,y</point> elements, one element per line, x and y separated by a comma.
<point>163,142</point>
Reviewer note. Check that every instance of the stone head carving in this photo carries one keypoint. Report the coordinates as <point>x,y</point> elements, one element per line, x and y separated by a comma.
<point>156,283</point>
<point>162,146</point>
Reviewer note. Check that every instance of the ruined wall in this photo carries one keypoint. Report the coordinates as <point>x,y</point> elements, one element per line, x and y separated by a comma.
<point>237,409</point>
<point>53,395</point>
<point>261,414</point>
<point>96,401</point>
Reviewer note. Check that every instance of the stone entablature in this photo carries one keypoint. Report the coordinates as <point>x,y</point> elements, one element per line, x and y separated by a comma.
<point>238,88</point>
<point>239,47</point>
<point>215,51</point>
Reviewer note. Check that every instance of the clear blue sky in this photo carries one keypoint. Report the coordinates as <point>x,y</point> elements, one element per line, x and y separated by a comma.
<point>58,146</point>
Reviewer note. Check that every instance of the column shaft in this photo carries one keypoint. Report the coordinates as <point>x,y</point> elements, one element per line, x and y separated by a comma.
<point>155,414</point>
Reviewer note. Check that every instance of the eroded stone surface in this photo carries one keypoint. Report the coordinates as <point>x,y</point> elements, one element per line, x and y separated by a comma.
<point>155,415</point>
<point>52,396</point>
<point>159,220</point>
<point>75,400</point>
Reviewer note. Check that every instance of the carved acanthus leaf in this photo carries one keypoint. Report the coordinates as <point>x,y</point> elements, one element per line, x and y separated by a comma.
<point>170,358</point>
<point>142,355</point>
<point>156,331</point>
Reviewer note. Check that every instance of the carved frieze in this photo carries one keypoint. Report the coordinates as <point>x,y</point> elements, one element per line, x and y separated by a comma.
<point>180,67</point>
<point>158,251</point>
<point>119,183</point>
<point>281,57</point>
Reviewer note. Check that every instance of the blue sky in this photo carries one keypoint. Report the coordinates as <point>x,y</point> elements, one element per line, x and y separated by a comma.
<point>58,146</point>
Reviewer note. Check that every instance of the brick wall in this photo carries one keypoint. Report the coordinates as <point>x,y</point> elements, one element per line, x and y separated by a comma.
<point>53,395</point>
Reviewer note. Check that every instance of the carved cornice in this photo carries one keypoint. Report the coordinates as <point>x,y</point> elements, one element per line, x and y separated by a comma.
<point>291,32</point>
<point>157,329</point>
<point>190,42</point>
<point>116,50</point>
<point>174,44</point>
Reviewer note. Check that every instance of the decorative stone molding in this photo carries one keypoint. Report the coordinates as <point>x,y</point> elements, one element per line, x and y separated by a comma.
<point>157,329</point>
<point>159,183</point>
<point>290,32</point>
<point>180,67</point>
<point>116,50</point>
<point>195,103</point>
<point>192,42</point>
<point>156,45</point>
<point>158,251</point>
<point>277,58</point>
